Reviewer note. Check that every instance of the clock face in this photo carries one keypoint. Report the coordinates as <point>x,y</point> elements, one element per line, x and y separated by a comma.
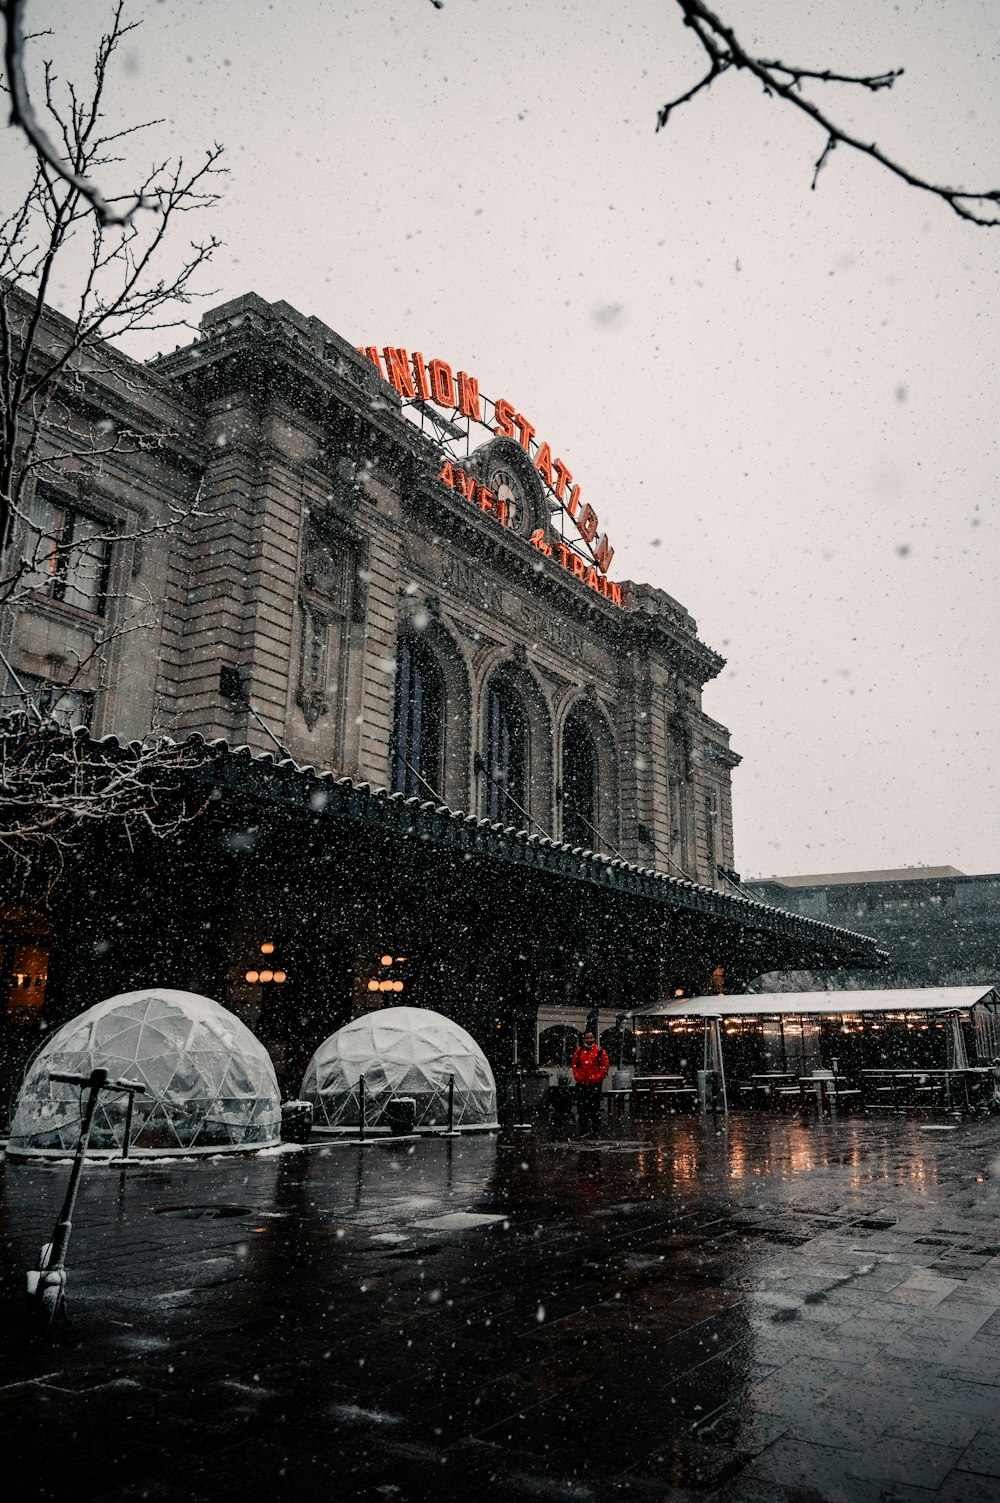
<point>510,495</point>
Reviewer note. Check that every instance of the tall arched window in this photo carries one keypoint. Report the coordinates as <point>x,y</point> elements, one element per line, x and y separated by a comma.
<point>503,756</point>
<point>579,786</point>
<point>416,741</point>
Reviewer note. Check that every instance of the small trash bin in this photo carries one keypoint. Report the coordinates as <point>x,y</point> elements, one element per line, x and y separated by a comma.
<point>401,1114</point>
<point>296,1121</point>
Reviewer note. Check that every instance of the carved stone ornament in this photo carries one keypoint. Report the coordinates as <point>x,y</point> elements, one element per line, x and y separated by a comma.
<point>311,695</point>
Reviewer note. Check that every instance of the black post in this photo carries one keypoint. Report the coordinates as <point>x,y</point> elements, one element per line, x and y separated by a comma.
<point>361,1095</point>
<point>64,1226</point>
<point>47,1284</point>
<point>520,1097</point>
<point>451,1103</point>
<point>126,1141</point>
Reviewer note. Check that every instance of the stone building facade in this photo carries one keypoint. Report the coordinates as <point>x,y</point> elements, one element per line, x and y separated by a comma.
<point>315,539</point>
<point>444,755</point>
<point>937,925</point>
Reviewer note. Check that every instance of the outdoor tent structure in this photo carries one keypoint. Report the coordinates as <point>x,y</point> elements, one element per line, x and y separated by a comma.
<point>799,1032</point>
<point>399,1052</point>
<point>209,1083</point>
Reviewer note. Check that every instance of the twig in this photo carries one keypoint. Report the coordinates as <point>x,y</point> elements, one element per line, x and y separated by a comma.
<point>782,79</point>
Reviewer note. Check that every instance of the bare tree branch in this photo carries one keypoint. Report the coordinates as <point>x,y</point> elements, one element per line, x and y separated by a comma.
<point>56,785</point>
<point>23,114</point>
<point>56,372</point>
<point>782,79</point>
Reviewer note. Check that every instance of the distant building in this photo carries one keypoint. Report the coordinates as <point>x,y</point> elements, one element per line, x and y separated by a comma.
<point>939,926</point>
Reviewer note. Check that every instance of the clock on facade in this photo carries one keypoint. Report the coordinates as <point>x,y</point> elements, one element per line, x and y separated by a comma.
<point>509,490</point>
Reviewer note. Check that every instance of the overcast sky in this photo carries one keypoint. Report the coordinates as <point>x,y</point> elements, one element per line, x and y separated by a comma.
<point>781,402</point>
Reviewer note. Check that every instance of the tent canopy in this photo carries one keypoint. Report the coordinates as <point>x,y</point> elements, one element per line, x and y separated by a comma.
<point>772,1004</point>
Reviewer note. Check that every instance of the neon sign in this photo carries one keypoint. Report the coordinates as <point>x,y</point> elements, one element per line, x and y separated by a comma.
<point>418,381</point>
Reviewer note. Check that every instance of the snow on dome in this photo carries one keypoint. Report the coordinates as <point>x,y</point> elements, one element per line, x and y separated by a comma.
<point>401,1051</point>
<point>210,1082</point>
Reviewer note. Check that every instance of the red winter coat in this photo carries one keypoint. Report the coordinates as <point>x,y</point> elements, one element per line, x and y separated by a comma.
<point>590,1065</point>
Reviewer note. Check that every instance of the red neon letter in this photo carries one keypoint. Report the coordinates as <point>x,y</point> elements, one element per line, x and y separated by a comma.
<point>396,371</point>
<point>468,396</point>
<point>486,499</point>
<point>603,554</point>
<point>616,595</point>
<point>579,567</point>
<point>543,463</point>
<point>466,484</point>
<point>504,414</point>
<point>447,474</point>
<point>572,505</point>
<point>564,476</point>
<point>563,553</point>
<point>588,524</point>
<point>420,375</point>
<point>372,353</point>
<point>442,383</point>
<point>525,431</point>
<point>537,538</point>
<point>593,580</point>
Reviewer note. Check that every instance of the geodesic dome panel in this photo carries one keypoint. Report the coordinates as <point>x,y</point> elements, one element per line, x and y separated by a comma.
<point>400,1051</point>
<point>209,1081</point>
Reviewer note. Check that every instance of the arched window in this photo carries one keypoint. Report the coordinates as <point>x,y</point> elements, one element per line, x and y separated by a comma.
<point>416,741</point>
<point>503,756</point>
<point>579,786</point>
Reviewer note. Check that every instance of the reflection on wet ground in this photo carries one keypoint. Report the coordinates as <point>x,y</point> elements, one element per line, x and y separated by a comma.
<point>782,1311</point>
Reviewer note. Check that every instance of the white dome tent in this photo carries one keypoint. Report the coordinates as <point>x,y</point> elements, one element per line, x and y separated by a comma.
<point>401,1051</point>
<point>210,1084</point>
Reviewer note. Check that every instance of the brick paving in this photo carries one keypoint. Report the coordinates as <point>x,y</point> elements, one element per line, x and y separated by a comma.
<point>786,1312</point>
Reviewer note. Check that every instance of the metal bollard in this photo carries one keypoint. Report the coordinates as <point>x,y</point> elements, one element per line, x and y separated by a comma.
<point>361,1099</point>
<point>46,1288</point>
<point>451,1103</point>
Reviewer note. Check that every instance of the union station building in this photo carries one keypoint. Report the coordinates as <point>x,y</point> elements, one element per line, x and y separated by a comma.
<point>443,754</point>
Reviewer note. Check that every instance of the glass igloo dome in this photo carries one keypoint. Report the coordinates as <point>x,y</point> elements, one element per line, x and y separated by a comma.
<point>400,1051</point>
<point>210,1083</point>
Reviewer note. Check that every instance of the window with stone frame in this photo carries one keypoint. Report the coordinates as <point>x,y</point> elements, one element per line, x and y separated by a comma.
<point>67,707</point>
<point>504,755</point>
<point>68,553</point>
<point>417,722</point>
<point>579,786</point>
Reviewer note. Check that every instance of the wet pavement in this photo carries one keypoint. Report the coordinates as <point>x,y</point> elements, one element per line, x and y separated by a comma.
<point>790,1310</point>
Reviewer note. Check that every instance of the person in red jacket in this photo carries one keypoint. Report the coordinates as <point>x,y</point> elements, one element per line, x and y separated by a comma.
<point>590,1064</point>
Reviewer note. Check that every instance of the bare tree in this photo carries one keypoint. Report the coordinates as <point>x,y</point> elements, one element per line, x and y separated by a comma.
<point>113,246</point>
<point>57,786</point>
<point>784,81</point>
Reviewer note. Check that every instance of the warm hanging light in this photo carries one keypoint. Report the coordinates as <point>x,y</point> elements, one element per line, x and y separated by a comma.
<point>373,986</point>
<point>267,949</point>
<point>397,986</point>
<point>385,986</point>
<point>252,977</point>
<point>400,959</point>
<point>387,960</point>
<point>266,975</point>
<point>280,976</point>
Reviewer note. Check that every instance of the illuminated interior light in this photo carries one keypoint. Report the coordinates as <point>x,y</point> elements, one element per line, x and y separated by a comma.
<point>385,986</point>
<point>397,986</point>
<point>267,949</point>
<point>373,986</point>
<point>400,959</point>
<point>280,976</point>
<point>386,960</point>
<point>252,977</point>
<point>266,975</point>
